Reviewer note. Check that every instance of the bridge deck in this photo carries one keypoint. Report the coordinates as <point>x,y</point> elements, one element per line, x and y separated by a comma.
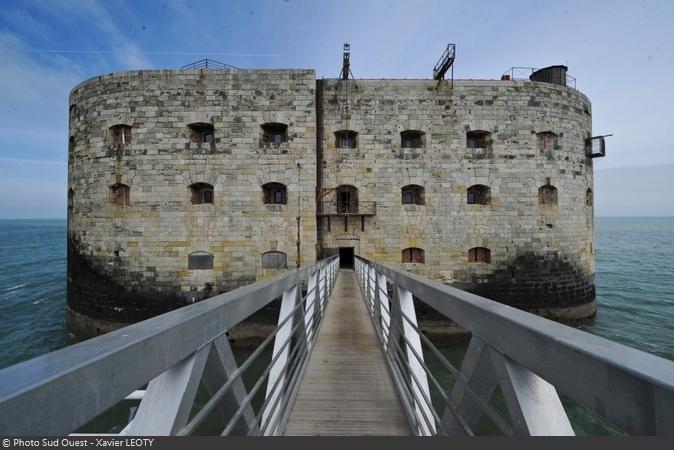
<point>347,389</point>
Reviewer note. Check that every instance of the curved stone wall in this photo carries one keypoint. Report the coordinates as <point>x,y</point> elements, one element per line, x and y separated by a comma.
<point>139,244</point>
<point>129,259</point>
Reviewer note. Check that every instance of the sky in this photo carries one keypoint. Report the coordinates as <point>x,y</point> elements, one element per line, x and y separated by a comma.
<point>620,52</point>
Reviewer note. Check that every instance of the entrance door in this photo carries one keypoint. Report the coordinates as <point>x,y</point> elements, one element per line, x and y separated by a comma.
<point>346,257</point>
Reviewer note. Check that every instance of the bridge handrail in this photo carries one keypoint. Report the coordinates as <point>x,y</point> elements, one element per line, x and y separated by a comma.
<point>57,393</point>
<point>527,355</point>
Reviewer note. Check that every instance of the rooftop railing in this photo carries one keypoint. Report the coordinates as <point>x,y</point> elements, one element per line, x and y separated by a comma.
<point>524,73</point>
<point>207,64</point>
<point>529,358</point>
<point>162,362</point>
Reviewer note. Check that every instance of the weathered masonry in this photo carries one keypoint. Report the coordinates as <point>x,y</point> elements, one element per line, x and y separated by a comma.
<point>187,183</point>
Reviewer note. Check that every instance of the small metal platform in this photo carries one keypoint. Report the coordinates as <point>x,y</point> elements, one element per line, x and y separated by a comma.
<point>347,388</point>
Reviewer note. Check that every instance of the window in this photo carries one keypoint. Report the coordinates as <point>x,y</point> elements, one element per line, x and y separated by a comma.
<point>71,144</point>
<point>274,260</point>
<point>121,134</point>
<point>119,194</point>
<point>201,133</point>
<point>412,139</point>
<point>547,140</point>
<point>274,194</point>
<point>200,261</point>
<point>413,255</point>
<point>479,254</point>
<point>347,199</point>
<point>478,194</point>
<point>201,193</point>
<point>547,195</point>
<point>478,139</point>
<point>71,200</point>
<point>413,195</point>
<point>588,197</point>
<point>274,133</point>
<point>346,139</point>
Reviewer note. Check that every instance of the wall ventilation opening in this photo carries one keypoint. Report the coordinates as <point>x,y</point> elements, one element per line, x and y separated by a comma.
<point>274,133</point>
<point>71,200</point>
<point>412,139</point>
<point>547,195</point>
<point>121,134</point>
<point>274,194</point>
<point>346,139</point>
<point>201,193</point>
<point>120,194</point>
<point>479,194</point>
<point>547,140</point>
<point>274,260</point>
<point>202,133</point>
<point>200,261</point>
<point>413,255</point>
<point>478,139</point>
<point>413,194</point>
<point>479,254</point>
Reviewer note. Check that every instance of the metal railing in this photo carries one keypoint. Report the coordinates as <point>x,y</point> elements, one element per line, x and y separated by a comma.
<point>339,208</point>
<point>528,357</point>
<point>173,354</point>
<point>207,64</point>
<point>524,73</point>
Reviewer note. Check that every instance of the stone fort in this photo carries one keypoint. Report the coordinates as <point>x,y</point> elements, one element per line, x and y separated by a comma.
<point>183,184</point>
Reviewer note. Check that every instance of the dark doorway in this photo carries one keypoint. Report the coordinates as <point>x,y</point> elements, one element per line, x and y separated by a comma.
<point>346,257</point>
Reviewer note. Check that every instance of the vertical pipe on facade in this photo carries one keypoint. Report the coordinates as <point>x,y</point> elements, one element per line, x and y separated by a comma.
<point>299,219</point>
<point>319,168</point>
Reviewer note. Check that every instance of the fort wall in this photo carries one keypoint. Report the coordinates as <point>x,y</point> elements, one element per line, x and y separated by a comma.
<point>129,252</point>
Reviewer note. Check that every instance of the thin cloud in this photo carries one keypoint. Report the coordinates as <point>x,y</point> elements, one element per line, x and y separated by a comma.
<point>32,162</point>
<point>252,55</point>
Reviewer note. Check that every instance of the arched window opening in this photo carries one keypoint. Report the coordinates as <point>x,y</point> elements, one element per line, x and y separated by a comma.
<point>479,194</point>
<point>413,195</point>
<point>346,139</point>
<point>547,195</point>
<point>413,255</point>
<point>547,140</point>
<point>201,193</point>
<point>274,133</point>
<point>202,133</point>
<point>412,139</point>
<point>200,261</point>
<point>479,254</point>
<point>72,111</point>
<point>478,139</point>
<point>347,199</point>
<point>274,194</point>
<point>71,200</point>
<point>119,194</point>
<point>121,134</point>
<point>589,200</point>
<point>274,260</point>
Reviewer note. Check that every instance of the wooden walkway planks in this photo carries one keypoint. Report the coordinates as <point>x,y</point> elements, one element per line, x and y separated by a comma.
<point>347,388</point>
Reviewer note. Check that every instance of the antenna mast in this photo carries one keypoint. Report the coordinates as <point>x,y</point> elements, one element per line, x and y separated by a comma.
<point>346,62</point>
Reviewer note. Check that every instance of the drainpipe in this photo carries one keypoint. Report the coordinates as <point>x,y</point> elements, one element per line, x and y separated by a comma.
<point>319,168</point>
<point>299,218</point>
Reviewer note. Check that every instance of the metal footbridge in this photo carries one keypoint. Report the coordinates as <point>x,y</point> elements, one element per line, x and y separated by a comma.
<point>347,357</point>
